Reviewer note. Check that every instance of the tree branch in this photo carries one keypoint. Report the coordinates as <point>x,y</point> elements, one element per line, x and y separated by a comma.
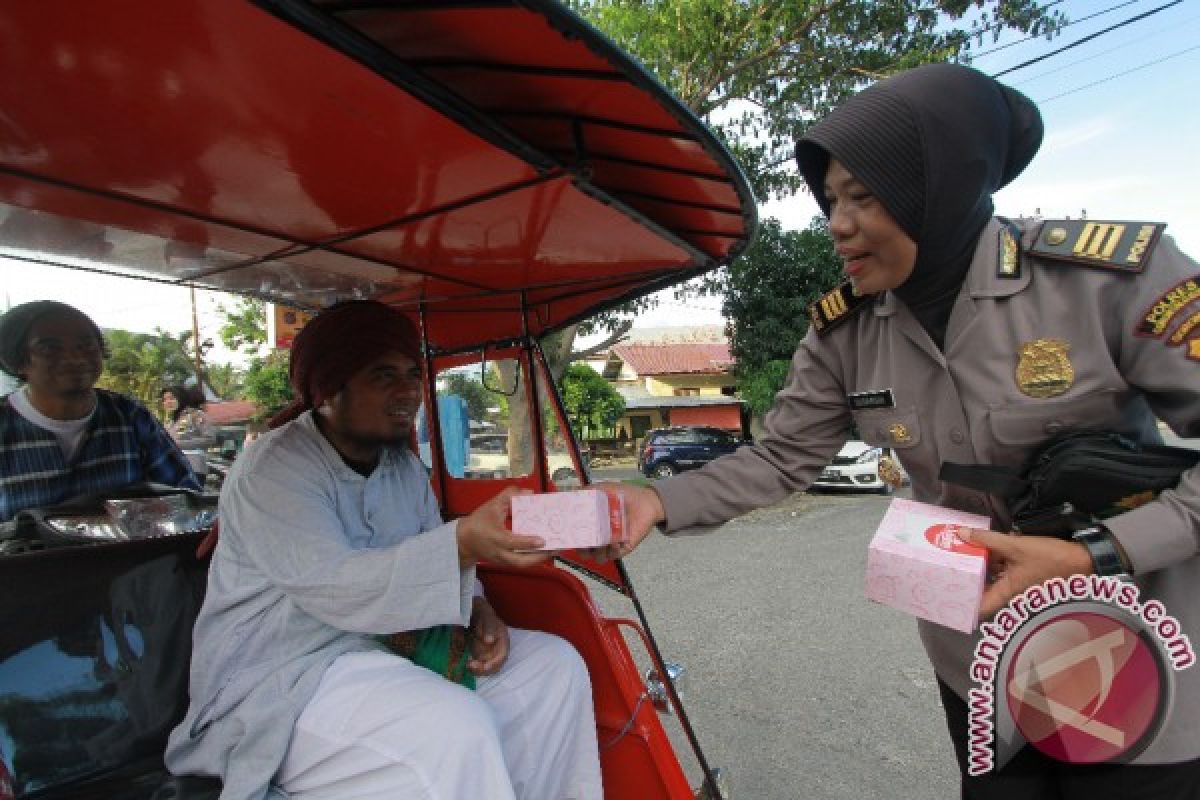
<point>785,39</point>
<point>616,336</point>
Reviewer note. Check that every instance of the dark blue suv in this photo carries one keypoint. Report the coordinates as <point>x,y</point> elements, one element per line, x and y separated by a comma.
<point>668,451</point>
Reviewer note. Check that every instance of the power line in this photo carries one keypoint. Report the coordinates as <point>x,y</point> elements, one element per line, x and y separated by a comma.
<point>1120,74</point>
<point>1052,53</point>
<point>1102,53</point>
<point>1085,39</point>
<point>1007,45</point>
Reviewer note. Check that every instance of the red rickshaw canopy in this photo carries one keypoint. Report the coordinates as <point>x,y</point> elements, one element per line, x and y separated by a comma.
<point>499,165</point>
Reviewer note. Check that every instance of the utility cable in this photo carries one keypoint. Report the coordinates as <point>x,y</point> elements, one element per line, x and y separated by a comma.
<point>1007,45</point>
<point>1085,39</point>
<point>1103,53</point>
<point>1120,74</point>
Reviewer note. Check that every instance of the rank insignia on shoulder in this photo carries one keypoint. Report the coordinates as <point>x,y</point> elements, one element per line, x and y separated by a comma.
<point>1123,246</point>
<point>1008,257</point>
<point>835,307</point>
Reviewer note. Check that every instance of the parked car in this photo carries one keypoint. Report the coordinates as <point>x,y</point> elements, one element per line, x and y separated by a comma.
<point>488,458</point>
<point>856,468</point>
<point>669,451</point>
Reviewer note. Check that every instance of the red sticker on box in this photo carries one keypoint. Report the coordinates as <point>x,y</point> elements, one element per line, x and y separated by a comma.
<point>616,516</point>
<point>945,536</point>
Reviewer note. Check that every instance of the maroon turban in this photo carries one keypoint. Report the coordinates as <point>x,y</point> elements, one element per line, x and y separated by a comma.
<point>339,342</point>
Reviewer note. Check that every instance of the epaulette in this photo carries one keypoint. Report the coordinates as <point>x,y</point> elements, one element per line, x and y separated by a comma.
<point>835,308</point>
<point>1122,245</point>
<point>1008,259</point>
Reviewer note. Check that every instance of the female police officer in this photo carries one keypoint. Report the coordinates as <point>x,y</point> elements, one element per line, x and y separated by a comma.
<point>967,338</point>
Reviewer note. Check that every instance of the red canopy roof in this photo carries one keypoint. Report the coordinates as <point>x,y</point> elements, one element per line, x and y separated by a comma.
<point>500,166</point>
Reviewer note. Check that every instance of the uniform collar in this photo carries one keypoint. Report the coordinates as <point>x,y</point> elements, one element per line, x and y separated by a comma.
<point>983,278</point>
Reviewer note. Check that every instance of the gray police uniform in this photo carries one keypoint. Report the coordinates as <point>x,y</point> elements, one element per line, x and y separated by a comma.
<point>1059,325</point>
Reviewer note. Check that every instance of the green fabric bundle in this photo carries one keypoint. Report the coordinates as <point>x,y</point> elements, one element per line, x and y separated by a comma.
<point>443,649</point>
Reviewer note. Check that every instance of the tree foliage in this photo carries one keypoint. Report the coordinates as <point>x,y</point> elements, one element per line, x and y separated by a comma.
<point>758,385</point>
<point>590,401</point>
<point>267,383</point>
<point>141,364</point>
<point>479,398</point>
<point>767,294</point>
<point>245,326</point>
<point>226,380</point>
<point>761,71</point>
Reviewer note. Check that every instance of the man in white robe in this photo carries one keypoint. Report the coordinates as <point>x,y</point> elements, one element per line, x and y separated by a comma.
<point>330,537</point>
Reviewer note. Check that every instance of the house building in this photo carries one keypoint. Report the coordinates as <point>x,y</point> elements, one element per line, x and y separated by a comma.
<point>229,412</point>
<point>683,377</point>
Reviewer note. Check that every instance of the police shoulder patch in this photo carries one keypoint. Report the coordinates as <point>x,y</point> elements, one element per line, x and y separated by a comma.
<point>835,308</point>
<point>1123,245</point>
<point>1008,259</point>
<point>1168,308</point>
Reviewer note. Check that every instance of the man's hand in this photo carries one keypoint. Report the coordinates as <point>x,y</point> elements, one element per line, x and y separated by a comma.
<point>489,639</point>
<point>643,510</point>
<point>482,536</point>
<point>1018,562</point>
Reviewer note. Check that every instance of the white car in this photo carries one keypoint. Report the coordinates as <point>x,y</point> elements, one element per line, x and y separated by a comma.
<point>488,458</point>
<point>856,468</point>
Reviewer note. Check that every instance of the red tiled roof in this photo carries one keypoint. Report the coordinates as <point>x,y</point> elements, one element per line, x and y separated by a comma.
<point>229,411</point>
<point>675,359</point>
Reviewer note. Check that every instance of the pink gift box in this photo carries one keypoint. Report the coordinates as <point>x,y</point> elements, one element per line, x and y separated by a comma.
<point>583,518</point>
<point>918,564</point>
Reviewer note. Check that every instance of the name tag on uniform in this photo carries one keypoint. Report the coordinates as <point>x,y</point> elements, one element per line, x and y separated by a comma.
<point>878,398</point>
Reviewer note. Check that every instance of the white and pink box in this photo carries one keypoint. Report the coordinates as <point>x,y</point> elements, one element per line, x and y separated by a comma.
<point>565,520</point>
<point>917,563</point>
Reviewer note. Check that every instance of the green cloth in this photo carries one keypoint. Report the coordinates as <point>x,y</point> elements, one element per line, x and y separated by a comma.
<point>433,652</point>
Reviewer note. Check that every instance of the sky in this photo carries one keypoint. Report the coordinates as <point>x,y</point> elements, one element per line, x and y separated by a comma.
<point>1122,116</point>
<point>1127,147</point>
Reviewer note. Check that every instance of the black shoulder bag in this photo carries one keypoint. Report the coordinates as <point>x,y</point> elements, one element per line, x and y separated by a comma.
<point>1077,478</point>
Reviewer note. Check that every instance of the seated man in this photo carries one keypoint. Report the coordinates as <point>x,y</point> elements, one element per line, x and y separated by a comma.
<point>60,437</point>
<point>331,539</point>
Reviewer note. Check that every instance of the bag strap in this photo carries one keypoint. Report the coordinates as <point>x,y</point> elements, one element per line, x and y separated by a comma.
<point>1185,455</point>
<point>1007,483</point>
<point>1002,482</point>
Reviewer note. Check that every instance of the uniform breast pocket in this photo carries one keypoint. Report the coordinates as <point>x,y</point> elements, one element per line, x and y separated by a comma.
<point>899,428</point>
<point>1030,424</point>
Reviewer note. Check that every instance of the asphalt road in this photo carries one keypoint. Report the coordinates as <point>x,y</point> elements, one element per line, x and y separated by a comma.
<point>797,685</point>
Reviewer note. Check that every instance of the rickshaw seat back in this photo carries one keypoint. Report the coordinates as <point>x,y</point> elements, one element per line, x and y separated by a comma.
<point>636,756</point>
<point>92,683</point>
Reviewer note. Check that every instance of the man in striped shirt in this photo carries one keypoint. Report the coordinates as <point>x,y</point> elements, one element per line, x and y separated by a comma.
<point>60,437</point>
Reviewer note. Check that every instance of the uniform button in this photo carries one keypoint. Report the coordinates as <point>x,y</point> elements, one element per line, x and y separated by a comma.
<point>1054,426</point>
<point>957,436</point>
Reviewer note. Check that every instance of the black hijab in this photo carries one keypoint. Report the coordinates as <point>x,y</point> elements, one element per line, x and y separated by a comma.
<point>932,144</point>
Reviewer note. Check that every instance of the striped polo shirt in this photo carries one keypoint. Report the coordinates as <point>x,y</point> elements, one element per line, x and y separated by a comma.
<point>123,444</point>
